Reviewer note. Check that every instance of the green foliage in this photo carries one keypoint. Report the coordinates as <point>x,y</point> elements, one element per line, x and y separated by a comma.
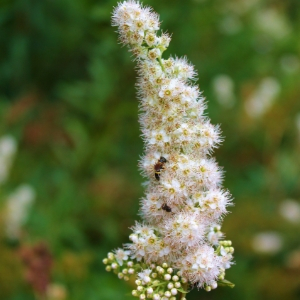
<point>67,96</point>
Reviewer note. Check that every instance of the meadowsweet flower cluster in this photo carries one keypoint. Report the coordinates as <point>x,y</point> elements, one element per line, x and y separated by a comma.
<point>178,246</point>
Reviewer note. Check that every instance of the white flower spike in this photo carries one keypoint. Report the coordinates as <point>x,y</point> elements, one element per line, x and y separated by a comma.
<point>178,246</point>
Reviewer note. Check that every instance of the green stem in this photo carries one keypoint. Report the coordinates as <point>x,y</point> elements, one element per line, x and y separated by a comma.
<point>160,63</point>
<point>185,287</point>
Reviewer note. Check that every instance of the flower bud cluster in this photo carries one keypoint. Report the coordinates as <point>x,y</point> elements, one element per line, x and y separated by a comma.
<point>184,200</point>
<point>119,263</point>
<point>153,281</point>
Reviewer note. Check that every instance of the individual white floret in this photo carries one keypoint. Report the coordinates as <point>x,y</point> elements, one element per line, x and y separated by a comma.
<point>154,53</point>
<point>138,50</point>
<point>214,235</point>
<point>151,39</point>
<point>183,69</point>
<point>214,202</point>
<point>151,70</point>
<point>209,173</point>
<point>189,94</point>
<point>209,135</point>
<point>145,275</point>
<point>164,40</point>
<point>202,266</point>
<point>170,89</point>
<point>184,133</point>
<point>173,190</point>
<point>184,230</point>
<point>159,138</point>
<point>226,258</point>
<point>121,255</point>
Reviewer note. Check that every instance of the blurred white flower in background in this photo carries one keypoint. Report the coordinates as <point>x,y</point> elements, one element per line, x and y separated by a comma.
<point>17,209</point>
<point>263,97</point>
<point>290,210</point>
<point>230,24</point>
<point>223,87</point>
<point>240,7</point>
<point>267,242</point>
<point>8,148</point>
<point>272,23</point>
<point>290,63</point>
<point>56,291</point>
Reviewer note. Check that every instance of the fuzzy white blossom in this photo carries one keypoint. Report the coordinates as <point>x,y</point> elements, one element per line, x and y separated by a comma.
<point>121,256</point>
<point>201,265</point>
<point>184,201</point>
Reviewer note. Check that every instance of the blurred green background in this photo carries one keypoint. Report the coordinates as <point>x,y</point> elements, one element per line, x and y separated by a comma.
<point>67,96</point>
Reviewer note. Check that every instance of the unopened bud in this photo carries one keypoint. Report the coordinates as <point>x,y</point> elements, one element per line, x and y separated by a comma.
<point>110,256</point>
<point>174,292</point>
<point>130,264</point>
<point>184,280</point>
<point>138,282</point>
<point>167,277</point>
<point>170,285</point>
<point>168,294</point>
<point>177,285</point>
<point>140,288</point>
<point>114,266</point>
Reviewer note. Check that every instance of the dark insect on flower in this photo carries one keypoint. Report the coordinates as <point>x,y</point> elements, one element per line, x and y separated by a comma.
<point>166,208</point>
<point>159,166</point>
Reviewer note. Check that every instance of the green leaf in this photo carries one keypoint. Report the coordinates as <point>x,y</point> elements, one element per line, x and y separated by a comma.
<point>225,282</point>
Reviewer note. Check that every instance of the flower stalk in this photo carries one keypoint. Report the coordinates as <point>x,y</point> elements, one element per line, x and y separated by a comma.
<point>179,244</point>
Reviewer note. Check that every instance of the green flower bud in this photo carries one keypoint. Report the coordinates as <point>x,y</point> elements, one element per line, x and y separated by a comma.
<point>105,261</point>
